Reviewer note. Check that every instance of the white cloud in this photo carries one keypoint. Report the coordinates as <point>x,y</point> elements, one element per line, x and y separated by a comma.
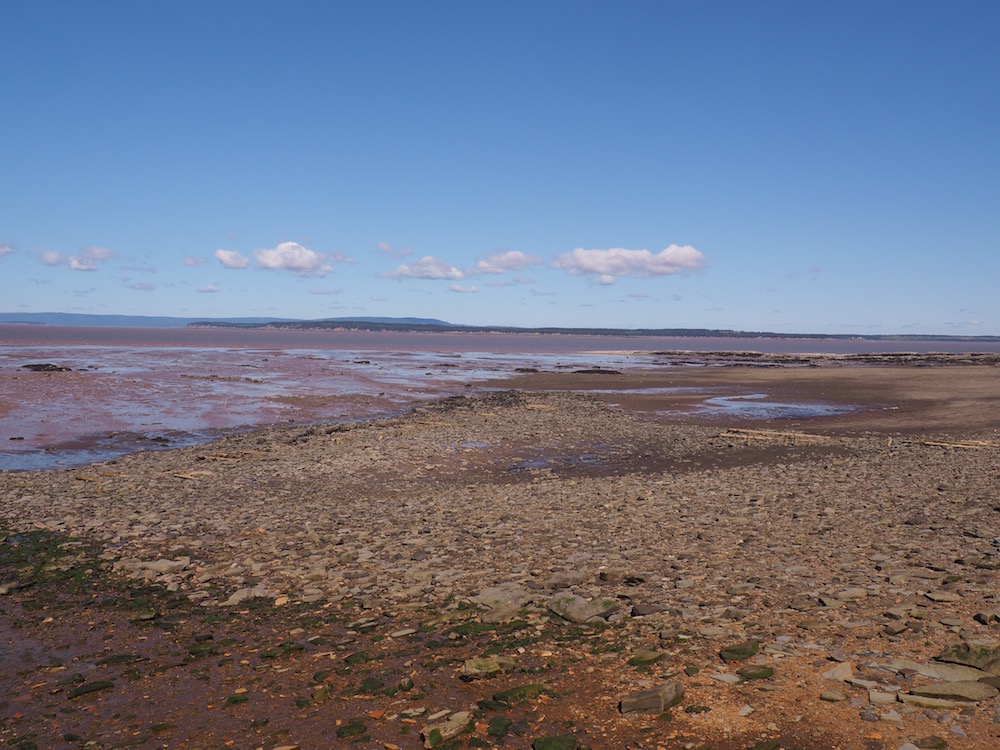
<point>393,252</point>
<point>608,265</point>
<point>209,289</point>
<point>463,289</point>
<point>89,257</point>
<point>82,264</point>
<point>291,256</point>
<point>5,249</point>
<point>97,253</point>
<point>512,260</point>
<point>232,259</point>
<point>50,257</point>
<point>192,262</point>
<point>428,267</point>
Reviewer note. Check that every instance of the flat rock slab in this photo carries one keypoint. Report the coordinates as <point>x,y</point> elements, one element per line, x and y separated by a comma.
<point>739,651</point>
<point>577,609</point>
<point>962,690</point>
<point>655,700</point>
<point>437,734</point>
<point>939,671</point>
<point>490,666</point>
<point>504,596</point>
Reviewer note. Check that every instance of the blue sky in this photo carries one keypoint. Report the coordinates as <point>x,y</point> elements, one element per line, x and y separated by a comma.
<point>783,166</point>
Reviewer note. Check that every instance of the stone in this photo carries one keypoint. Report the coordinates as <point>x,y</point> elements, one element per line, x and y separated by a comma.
<point>642,610</point>
<point>841,673</point>
<point>892,717</point>
<point>755,672</point>
<point>923,701</point>
<point>982,656</point>
<point>437,734</point>
<point>962,690</point>
<point>655,700</point>
<point>833,696</point>
<point>739,651</point>
<point>577,609</point>
<point>243,594</point>
<point>645,658</point>
<point>521,693</point>
<point>490,666</point>
<point>504,596</point>
<point>943,596</point>
<point>987,618</point>
<point>566,579</point>
<point>729,679</point>
<point>938,671</point>
<point>853,594</point>
<point>877,697</point>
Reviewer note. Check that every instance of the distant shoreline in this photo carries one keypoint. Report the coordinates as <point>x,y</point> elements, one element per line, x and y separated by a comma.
<point>377,326</point>
<point>430,325</point>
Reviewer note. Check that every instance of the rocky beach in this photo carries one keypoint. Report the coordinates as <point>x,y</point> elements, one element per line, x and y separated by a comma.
<point>588,559</point>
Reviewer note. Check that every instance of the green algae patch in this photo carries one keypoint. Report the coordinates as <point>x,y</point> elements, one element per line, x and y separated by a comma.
<point>522,693</point>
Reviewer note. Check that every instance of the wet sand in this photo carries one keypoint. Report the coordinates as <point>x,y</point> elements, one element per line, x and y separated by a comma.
<point>604,534</point>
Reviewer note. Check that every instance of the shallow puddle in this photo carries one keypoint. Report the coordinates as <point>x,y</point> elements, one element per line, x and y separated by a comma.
<point>756,406</point>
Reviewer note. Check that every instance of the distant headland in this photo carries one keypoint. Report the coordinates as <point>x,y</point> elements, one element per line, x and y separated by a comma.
<point>432,325</point>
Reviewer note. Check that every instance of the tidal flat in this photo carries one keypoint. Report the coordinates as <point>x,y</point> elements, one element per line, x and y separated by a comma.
<point>562,560</point>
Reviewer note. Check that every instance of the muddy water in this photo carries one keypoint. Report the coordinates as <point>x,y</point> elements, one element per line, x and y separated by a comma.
<point>122,390</point>
<point>108,400</point>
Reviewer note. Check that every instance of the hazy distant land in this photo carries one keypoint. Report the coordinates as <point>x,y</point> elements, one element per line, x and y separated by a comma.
<point>431,325</point>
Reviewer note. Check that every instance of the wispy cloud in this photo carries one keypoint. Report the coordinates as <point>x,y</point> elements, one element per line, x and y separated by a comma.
<point>86,260</point>
<point>326,292</point>
<point>89,257</point>
<point>192,262</point>
<point>5,249</point>
<point>393,252</point>
<point>512,260</point>
<point>463,289</point>
<point>232,259</point>
<point>428,267</point>
<point>50,257</point>
<point>209,289</point>
<point>138,268</point>
<point>606,266</point>
<point>141,286</point>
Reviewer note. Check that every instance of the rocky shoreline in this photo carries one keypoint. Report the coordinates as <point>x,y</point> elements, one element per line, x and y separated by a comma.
<point>644,581</point>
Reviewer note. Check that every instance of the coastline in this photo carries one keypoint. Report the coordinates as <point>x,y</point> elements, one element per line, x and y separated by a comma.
<point>425,540</point>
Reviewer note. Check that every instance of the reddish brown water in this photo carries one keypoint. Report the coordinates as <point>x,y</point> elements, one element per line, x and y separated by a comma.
<point>127,389</point>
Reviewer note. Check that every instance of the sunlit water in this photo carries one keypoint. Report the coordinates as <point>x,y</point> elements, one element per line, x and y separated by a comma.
<point>148,389</point>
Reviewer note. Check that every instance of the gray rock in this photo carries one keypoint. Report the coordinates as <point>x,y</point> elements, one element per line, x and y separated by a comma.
<point>841,673</point>
<point>577,609</point>
<point>655,700</point>
<point>922,701</point>
<point>939,671</point>
<point>504,596</point>
<point>490,666</point>
<point>247,593</point>
<point>962,690</point>
<point>435,734</point>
